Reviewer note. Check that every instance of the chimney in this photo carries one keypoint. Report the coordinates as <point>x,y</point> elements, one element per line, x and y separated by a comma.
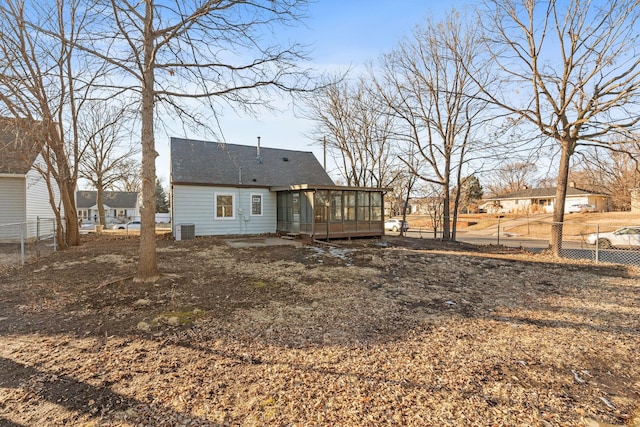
<point>572,184</point>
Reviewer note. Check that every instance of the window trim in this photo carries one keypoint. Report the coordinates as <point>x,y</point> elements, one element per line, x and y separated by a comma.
<point>215,206</point>
<point>251,196</point>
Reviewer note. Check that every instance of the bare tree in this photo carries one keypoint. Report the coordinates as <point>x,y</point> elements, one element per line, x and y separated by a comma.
<point>44,81</point>
<point>129,173</point>
<point>407,181</point>
<point>425,84</point>
<point>510,177</point>
<point>188,59</point>
<point>107,150</point>
<point>394,199</point>
<point>357,130</point>
<point>570,69</point>
<point>615,173</point>
<point>434,205</point>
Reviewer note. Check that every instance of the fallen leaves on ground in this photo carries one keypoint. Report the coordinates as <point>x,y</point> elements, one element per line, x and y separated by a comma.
<point>399,332</point>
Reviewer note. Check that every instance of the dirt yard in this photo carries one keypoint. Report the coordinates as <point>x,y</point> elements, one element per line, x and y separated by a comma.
<point>405,332</point>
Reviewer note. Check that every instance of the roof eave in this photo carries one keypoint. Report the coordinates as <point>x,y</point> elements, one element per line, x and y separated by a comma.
<point>209,184</point>
<point>327,187</point>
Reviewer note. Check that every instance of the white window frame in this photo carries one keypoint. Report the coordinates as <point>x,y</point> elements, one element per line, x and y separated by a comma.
<point>215,207</point>
<point>261,204</point>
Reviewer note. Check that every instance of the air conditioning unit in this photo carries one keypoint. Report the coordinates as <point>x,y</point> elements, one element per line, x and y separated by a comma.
<point>185,231</point>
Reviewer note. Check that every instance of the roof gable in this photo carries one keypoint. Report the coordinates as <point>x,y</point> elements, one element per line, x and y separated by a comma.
<point>204,162</point>
<point>18,147</point>
<point>113,199</point>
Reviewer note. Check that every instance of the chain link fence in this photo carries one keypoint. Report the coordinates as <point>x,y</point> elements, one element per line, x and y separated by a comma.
<point>618,244</point>
<point>604,243</point>
<point>26,241</point>
<point>599,243</point>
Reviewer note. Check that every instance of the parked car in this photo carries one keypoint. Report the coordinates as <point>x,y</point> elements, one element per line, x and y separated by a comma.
<point>131,225</point>
<point>581,207</point>
<point>395,224</point>
<point>625,237</point>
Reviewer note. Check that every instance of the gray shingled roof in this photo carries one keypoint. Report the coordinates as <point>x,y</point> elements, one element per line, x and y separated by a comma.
<point>540,193</point>
<point>17,151</point>
<point>113,199</point>
<point>203,162</point>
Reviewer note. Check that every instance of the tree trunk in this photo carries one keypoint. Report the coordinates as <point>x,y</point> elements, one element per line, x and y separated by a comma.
<point>561,195</point>
<point>456,202</point>
<point>67,196</point>
<point>66,183</point>
<point>147,266</point>
<point>68,233</point>
<point>60,231</point>
<point>405,204</point>
<point>100,203</point>
<point>446,212</point>
<point>454,222</point>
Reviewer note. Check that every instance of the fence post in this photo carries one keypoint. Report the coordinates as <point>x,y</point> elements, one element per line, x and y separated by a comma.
<point>55,235</point>
<point>22,230</point>
<point>597,243</point>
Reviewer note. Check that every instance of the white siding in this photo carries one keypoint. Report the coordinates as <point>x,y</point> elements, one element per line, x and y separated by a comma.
<point>38,205</point>
<point>12,205</point>
<point>40,214</point>
<point>12,200</point>
<point>195,205</point>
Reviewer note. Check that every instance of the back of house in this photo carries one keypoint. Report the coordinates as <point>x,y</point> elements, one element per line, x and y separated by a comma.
<point>229,189</point>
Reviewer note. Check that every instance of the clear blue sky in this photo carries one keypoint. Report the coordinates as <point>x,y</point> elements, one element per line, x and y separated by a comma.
<point>343,34</point>
<point>346,32</point>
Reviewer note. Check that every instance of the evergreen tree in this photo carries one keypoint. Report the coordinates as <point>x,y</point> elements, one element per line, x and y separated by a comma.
<point>162,201</point>
<point>470,191</point>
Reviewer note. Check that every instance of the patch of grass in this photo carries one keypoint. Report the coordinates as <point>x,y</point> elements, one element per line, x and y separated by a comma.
<point>260,284</point>
<point>179,317</point>
<point>268,406</point>
<point>270,401</point>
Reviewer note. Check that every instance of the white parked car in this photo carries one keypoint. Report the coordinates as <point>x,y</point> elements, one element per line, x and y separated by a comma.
<point>625,237</point>
<point>581,207</point>
<point>131,225</point>
<point>395,224</point>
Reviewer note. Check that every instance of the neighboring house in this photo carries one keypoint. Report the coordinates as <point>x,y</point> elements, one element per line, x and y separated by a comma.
<point>542,200</point>
<point>236,189</point>
<point>119,206</point>
<point>24,195</point>
<point>424,205</point>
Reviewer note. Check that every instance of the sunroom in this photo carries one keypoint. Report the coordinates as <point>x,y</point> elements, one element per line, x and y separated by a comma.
<point>330,212</point>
